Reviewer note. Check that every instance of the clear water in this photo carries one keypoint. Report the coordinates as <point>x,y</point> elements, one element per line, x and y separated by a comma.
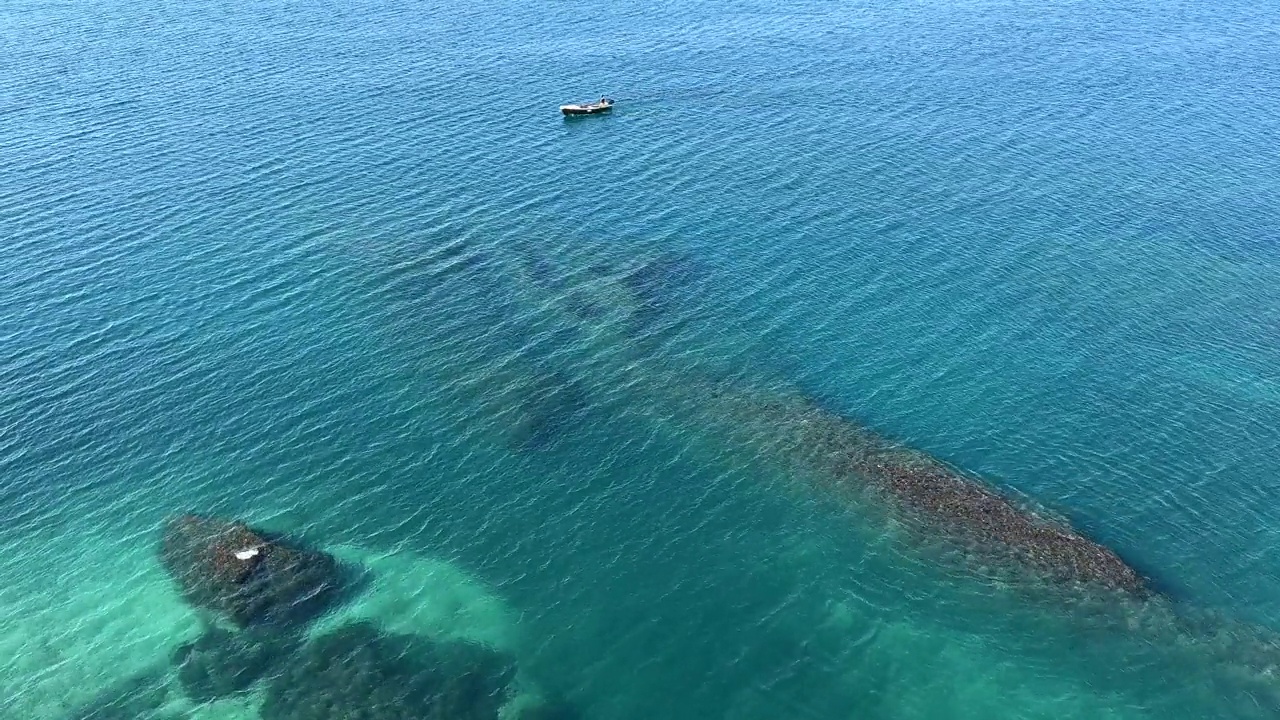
<point>342,269</point>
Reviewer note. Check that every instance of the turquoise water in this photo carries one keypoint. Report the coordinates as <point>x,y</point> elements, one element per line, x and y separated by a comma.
<point>343,271</point>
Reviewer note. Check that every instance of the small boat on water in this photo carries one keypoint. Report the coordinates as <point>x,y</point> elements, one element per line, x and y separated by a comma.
<point>602,105</point>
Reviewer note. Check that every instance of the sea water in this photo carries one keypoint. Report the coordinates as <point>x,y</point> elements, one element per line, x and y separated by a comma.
<point>342,270</point>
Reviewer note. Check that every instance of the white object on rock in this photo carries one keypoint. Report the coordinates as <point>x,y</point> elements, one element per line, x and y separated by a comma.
<point>247,553</point>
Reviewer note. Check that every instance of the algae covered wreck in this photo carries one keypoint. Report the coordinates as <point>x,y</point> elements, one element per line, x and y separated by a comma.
<point>846,460</point>
<point>931,511</point>
<point>636,305</point>
<point>643,334</point>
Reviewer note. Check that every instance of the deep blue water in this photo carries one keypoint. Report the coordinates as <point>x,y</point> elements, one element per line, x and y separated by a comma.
<point>344,268</point>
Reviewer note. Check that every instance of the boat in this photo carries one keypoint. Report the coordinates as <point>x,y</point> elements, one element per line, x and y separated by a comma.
<point>602,105</point>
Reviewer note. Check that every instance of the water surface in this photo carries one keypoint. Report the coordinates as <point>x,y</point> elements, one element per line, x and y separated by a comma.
<point>344,271</point>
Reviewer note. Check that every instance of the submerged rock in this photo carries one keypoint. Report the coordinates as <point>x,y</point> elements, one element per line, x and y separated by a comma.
<point>247,575</point>
<point>222,662</point>
<point>360,673</point>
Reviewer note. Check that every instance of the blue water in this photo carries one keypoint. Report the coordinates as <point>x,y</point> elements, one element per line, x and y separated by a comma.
<point>343,268</point>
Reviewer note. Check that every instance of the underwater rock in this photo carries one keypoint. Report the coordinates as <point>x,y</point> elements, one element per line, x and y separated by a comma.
<point>247,575</point>
<point>221,662</point>
<point>849,458</point>
<point>359,673</point>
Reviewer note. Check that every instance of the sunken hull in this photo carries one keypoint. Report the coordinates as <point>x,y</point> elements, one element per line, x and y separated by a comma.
<point>841,458</point>
<point>630,311</point>
<point>833,455</point>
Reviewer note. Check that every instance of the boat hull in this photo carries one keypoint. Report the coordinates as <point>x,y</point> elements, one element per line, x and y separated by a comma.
<point>586,108</point>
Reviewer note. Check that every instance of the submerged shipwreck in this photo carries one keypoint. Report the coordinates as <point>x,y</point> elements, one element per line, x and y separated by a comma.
<point>943,515</point>
<point>848,461</point>
<point>595,327</point>
<point>829,452</point>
